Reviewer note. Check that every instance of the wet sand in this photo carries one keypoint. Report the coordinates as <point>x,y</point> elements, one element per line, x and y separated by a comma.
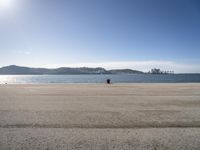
<point>100,116</point>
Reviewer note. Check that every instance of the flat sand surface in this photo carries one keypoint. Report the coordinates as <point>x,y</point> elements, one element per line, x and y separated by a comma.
<point>100,116</point>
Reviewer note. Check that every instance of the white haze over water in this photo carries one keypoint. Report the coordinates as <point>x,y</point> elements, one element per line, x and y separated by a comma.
<point>144,66</point>
<point>137,65</point>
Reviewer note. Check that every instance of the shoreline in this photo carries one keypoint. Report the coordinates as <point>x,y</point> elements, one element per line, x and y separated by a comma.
<point>102,83</point>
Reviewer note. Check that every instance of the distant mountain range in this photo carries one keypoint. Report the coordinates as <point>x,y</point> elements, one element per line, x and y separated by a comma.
<point>18,70</point>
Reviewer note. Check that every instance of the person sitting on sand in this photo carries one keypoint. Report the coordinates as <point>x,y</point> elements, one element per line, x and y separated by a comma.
<point>108,81</point>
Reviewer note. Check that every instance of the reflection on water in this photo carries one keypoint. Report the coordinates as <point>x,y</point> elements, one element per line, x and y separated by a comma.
<point>137,78</point>
<point>8,79</point>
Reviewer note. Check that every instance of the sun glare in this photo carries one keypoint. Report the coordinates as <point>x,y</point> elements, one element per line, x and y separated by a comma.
<point>6,4</point>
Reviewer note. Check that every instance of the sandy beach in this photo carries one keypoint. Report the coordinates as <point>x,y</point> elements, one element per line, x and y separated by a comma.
<point>100,116</point>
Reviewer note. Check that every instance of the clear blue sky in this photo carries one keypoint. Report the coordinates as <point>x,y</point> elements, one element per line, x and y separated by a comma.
<point>107,33</point>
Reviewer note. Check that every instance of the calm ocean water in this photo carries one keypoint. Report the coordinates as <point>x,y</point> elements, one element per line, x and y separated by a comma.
<point>138,78</point>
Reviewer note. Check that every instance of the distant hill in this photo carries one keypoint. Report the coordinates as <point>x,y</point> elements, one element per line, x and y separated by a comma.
<point>125,71</point>
<point>18,70</point>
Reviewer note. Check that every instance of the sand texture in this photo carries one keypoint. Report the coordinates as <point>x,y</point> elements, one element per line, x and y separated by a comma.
<point>100,116</point>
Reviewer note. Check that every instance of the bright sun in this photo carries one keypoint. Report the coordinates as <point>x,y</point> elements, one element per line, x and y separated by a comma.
<point>6,4</point>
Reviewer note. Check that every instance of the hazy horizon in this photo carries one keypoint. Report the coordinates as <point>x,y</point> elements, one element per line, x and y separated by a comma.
<point>113,34</point>
<point>119,65</point>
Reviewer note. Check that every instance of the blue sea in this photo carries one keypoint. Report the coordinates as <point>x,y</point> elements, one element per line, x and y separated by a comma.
<point>136,78</point>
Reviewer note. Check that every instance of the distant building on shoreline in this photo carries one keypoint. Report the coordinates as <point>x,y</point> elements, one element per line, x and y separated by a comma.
<point>158,71</point>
